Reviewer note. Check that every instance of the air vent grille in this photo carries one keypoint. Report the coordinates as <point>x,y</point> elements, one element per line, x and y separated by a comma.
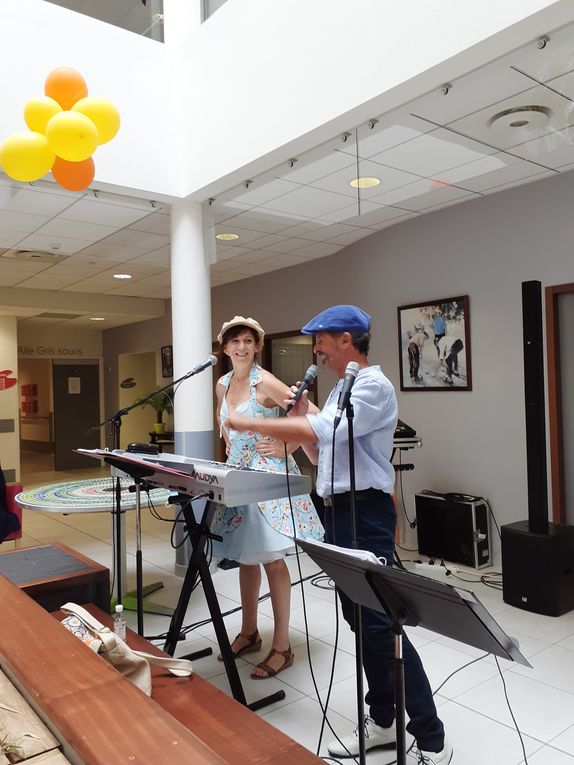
<point>36,256</point>
<point>49,315</point>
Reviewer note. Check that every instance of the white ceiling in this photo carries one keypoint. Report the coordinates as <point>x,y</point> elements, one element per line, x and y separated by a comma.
<point>442,149</point>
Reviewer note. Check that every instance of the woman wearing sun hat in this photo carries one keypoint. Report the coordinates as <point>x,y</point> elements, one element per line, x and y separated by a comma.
<point>259,533</point>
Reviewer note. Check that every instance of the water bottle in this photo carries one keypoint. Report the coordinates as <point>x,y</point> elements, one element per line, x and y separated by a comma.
<point>120,622</point>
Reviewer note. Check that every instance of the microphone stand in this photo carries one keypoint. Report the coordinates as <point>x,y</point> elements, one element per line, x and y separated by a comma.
<point>116,422</point>
<point>357,615</point>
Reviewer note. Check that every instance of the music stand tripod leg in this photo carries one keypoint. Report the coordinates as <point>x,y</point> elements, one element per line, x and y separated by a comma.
<point>400,721</point>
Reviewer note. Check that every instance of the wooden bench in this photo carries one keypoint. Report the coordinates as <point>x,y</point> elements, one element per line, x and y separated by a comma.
<point>54,574</point>
<point>102,719</point>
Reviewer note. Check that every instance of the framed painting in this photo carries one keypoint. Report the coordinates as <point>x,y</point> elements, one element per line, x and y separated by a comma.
<point>434,345</point>
<point>167,361</point>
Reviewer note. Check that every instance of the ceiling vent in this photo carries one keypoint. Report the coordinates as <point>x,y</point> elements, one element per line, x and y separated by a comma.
<point>36,256</point>
<point>530,117</point>
<point>54,315</point>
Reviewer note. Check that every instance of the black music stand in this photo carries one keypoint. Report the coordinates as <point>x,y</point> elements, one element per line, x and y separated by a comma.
<point>198,569</point>
<point>413,600</point>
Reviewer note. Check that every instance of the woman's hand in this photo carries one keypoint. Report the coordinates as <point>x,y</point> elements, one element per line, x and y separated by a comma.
<point>301,408</point>
<point>270,447</point>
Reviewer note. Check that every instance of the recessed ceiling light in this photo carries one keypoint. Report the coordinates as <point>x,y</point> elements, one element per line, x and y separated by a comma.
<point>365,183</point>
<point>122,276</point>
<point>97,318</point>
<point>227,237</point>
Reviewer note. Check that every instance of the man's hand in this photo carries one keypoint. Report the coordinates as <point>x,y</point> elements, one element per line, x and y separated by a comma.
<point>238,422</point>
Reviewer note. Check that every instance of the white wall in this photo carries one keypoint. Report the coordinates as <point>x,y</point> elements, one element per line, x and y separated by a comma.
<point>131,71</point>
<point>273,79</point>
<point>258,81</point>
<point>474,442</point>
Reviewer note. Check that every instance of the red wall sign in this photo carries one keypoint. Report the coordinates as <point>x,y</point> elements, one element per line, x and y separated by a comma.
<point>6,381</point>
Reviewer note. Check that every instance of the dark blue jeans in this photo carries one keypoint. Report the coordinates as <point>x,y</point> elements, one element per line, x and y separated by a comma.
<point>376,521</point>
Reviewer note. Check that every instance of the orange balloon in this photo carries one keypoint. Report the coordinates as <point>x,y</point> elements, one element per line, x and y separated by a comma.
<point>66,86</point>
<point>74,176</point>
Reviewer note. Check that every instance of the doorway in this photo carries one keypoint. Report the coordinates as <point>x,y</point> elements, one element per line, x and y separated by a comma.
<point>137,378</point>
<point>36,405</point>
<point>288,355</point>
<point>560,365</point>
<point>76,386</point>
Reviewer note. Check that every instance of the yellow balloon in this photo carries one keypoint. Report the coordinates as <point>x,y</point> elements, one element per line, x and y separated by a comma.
<point>26,156</point>
<point>72,136</point>
<point>103,114</point>
<point>39,111</point>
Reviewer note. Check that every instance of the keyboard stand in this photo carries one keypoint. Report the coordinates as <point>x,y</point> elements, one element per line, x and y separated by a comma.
<point>198,569</point>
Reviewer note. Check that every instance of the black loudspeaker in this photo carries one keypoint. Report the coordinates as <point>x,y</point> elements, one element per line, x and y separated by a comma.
<point>538,569</point>
<point>537,557</point>
<point>535,408</point>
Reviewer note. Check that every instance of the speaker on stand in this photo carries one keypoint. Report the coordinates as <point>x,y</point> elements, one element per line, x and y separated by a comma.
<point>537,556</point>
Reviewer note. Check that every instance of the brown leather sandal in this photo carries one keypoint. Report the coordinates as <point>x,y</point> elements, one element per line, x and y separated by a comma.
<point>289,657</point>
<point>252,646</point>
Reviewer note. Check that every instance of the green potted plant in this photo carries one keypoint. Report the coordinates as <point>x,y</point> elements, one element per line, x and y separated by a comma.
<point>162,402</point>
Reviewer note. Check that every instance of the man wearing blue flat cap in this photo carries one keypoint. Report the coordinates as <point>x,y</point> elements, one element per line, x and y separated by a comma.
<point>343,336</point>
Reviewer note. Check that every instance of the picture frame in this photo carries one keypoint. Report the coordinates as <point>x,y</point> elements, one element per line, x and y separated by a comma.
<point>434,345</point>
<point>167,361</point>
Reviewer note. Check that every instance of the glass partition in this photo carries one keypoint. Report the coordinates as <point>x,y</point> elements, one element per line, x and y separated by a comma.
<point>143,17</point>
<point>210,6</point>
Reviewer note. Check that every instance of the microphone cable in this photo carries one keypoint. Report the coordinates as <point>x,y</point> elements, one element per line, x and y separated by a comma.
<point>323,707</point>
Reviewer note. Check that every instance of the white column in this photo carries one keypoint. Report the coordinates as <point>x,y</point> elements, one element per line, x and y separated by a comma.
<point>191,318</point>
<point>191,332</point>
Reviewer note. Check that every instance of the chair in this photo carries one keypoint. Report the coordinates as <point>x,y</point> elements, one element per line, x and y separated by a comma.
<point>12,489</point>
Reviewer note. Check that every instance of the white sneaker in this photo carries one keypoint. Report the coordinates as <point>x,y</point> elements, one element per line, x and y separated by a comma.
<point>375,736</point>
<point>436,758</point>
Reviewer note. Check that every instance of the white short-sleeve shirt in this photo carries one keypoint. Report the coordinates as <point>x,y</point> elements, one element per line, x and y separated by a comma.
<point>375,419</point>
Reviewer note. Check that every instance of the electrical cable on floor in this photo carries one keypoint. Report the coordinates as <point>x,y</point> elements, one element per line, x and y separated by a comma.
<point>510,710</point>
<point>196,625</point>
<point>315,686</point>
<point>325,707</point>
<point>412,523</point>
<point>492,516</point>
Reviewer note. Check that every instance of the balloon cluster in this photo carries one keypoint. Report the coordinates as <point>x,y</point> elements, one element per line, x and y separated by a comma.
<point>65,128</point>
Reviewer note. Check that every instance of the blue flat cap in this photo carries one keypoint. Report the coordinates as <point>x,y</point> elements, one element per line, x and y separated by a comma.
<point>338,318</point>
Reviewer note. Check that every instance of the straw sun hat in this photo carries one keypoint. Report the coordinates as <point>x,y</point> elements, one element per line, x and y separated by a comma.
<point>243,322</point>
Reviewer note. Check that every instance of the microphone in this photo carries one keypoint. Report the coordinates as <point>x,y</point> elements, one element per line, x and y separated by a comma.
<point>210,361</point>
<point>351,373</point>
<point>308,380</point>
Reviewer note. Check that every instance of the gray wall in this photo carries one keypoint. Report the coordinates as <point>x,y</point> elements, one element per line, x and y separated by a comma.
<point>474,441</point>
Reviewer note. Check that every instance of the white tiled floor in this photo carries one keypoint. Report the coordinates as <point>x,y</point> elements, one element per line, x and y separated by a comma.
<point>471,704</point>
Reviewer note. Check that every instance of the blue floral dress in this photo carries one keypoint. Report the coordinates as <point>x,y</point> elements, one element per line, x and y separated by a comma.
<point>262,531</point>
